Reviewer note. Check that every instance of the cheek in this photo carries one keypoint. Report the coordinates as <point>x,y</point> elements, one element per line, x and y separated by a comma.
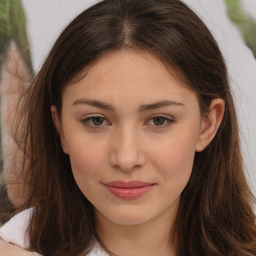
<point>174,160</point>
<point>86,161</point>
<point>85,164</point>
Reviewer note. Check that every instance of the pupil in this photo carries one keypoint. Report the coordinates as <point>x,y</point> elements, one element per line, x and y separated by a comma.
<point>98,121</point>
<point>159,120</point>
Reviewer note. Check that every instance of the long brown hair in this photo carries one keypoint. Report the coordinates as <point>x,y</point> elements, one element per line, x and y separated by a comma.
<point>215,215</point>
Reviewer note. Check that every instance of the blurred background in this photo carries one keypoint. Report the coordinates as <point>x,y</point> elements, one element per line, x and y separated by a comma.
<point>28,29</point>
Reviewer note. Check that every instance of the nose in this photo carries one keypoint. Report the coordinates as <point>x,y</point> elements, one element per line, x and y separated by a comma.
<point>127,153</point>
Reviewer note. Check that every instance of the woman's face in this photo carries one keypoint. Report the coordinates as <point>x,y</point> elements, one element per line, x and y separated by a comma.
<point>131,131</point>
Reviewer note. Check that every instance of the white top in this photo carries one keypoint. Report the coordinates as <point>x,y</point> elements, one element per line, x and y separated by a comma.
<point>14,231</point>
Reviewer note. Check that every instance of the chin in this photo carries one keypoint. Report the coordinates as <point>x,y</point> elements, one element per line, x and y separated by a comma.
<point>125,217</point>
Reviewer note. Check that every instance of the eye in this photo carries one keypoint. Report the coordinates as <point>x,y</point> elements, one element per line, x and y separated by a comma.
<point>95,121</point>
<point>160,121</point>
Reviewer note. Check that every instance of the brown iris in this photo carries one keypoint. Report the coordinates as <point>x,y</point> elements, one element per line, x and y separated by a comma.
<point>97,121</point>
<point>159,120</point>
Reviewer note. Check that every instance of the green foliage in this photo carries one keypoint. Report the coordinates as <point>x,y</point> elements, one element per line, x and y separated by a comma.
<point>244,22</point>
<point>13,27</point>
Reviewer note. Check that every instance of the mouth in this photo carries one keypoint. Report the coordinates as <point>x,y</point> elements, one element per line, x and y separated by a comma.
<point>128,190</point>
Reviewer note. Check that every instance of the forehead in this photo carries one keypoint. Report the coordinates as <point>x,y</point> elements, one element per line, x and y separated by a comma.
<point>125,73</point>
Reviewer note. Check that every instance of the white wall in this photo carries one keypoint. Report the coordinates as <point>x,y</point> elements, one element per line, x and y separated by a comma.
<point>46,18</point>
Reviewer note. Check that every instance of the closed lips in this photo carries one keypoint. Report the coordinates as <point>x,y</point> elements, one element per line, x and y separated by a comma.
<point>128,190</point>
<point>130,184</point>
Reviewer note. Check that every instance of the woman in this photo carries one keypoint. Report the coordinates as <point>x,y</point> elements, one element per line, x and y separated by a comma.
<point>130,140</point>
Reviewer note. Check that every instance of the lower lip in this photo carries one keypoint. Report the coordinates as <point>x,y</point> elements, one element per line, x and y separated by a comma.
<point>129,193</point>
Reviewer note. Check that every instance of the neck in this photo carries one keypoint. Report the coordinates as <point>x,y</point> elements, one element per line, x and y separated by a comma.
<point>150,238</point>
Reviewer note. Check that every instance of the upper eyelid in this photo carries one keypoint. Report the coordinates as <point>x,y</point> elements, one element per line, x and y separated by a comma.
<point>93,116</point>
<point>167,117</point>
<point>162,115</point>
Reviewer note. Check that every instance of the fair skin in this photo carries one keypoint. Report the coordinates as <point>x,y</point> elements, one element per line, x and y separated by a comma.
<point>8,249</point>
<point>128,119</point>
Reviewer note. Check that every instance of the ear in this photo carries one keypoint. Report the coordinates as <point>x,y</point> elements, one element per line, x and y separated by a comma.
<point>210,123</point>
<point>57,123</point>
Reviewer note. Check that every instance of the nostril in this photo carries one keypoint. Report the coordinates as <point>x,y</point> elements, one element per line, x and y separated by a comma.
<point>127,162</point>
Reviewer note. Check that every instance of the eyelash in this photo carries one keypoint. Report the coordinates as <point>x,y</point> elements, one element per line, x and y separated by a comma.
<point>167,121</point>
<point>89,121</point>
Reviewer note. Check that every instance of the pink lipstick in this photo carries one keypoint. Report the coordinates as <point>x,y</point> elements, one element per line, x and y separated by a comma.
<point>128,190</point>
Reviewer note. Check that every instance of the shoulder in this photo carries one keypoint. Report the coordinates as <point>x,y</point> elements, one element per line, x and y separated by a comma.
<point>14,231</point>
<point>14,239</point>
<point>8,249</point>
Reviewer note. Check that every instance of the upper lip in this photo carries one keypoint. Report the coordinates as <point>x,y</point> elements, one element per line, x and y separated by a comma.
<point>128,184</point>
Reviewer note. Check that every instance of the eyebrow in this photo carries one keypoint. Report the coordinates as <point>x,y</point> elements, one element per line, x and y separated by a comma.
<point>160,104</point>
<point>142,108</point>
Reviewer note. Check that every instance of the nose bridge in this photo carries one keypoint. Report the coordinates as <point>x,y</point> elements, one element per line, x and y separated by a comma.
<point>127,150</point>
